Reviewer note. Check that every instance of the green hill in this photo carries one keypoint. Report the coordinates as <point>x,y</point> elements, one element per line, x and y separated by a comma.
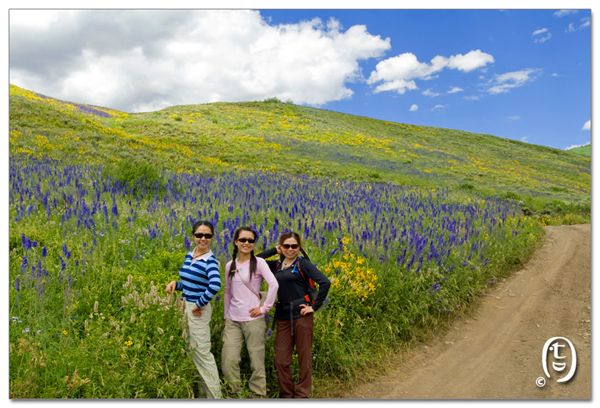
<point>584,150</point>
<point>410,224</point>
<point>281,137</point>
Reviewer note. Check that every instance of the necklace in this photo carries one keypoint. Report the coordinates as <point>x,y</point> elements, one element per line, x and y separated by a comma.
<point>287,265</point>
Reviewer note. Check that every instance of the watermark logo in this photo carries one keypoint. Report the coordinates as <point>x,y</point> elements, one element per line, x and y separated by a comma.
<point>558,349</point>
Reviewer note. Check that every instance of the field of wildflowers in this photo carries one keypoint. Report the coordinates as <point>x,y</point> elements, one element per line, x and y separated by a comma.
<point>92,244</point>
<point>89,315</point>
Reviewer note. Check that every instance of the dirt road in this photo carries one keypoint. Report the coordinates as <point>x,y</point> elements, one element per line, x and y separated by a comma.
<point>497,353</point>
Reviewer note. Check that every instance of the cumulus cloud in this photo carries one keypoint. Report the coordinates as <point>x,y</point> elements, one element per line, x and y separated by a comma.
<point>525,139</point>
<point>399,73</point>
<point>587,125</point>
<point>506,82</point>
<point>540,31</point>
<point>414,107</point>
<point>455,89</point>
<point>141,60</point>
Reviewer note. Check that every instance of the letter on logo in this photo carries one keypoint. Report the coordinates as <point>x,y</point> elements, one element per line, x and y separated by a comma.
<point>559,366</point>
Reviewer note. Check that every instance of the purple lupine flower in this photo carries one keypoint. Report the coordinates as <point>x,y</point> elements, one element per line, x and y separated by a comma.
<point>333,252</point>
<point>18,285</point>
<point>269,333</point>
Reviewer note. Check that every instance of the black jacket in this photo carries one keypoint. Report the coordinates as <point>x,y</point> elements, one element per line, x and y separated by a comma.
<point>292,287</point>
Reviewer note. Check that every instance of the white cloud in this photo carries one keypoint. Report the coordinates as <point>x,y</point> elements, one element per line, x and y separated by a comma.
<point>525,139</point>
<point>398,73</point>
<point>470,61</point>
<point>510,80</point>
<point>429,92</point>
<point>562,13</point>
<point>140,60</point>
<point>587,125</point>
<point>438,107</point>
<point>586,22</point>
<point>414,107</point>
<point>540,31</point>
<point>543,39</point>
<point>514,117</point>
<point>455,89</point>
<point>554,75</point>
<point>472,98</point>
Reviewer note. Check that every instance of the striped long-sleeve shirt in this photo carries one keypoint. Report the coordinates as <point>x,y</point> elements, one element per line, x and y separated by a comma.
<point>200,279</point>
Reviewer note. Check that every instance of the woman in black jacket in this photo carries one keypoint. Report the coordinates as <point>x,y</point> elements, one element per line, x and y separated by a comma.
<point>294,312</point>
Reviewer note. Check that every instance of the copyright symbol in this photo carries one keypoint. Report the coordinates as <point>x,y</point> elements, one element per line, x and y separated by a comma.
<point>540,382</point>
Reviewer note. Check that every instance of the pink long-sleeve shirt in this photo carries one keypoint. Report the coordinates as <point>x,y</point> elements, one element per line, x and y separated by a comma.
<point>238,298</point>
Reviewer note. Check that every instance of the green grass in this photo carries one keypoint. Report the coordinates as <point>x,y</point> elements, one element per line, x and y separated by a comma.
<point>282,137</point>
<point>583,150</point>
<point>117,194</point>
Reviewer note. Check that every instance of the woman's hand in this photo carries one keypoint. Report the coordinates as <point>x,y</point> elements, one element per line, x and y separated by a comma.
<point>306,309</point>
<point>171,287</point>
<point>255,312</point>
<point>196,311</point>
<point>279,251</point>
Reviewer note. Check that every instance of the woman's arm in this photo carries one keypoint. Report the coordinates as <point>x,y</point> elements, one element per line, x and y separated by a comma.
<point>310,270</point>
<point>267,254</point>
<point>266,273</point>
<point>227,296</point>
<point>214,283</point>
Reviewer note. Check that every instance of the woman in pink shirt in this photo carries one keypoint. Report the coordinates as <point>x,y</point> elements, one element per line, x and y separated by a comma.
<point>244,315</point>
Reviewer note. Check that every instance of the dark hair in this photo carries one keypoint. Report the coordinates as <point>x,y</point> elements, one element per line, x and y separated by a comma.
<point>203,222</point>
<point>292,234</point>
<point>233,267</point>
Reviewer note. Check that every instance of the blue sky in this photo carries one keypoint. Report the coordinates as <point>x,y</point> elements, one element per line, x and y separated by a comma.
<point>519,74</point>
<point>550,108</point>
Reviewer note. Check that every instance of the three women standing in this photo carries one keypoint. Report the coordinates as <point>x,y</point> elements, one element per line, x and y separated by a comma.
<point>200,282</point>
<point>244,315</point>
<point>289,278</point>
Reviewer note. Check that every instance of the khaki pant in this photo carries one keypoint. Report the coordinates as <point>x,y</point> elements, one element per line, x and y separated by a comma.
<point>253,333</point>
<point>199,341</point>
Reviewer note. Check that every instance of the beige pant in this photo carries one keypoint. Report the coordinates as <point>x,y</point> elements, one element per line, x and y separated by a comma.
<point>253,333</point>
<point>199,341</point>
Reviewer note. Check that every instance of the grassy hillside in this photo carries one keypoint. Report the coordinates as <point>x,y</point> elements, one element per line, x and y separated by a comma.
<point>583,150</point>
<point>409,223</point>
<point>279,137</point>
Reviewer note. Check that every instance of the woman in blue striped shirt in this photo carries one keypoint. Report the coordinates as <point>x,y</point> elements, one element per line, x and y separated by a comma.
<point>200,282</point>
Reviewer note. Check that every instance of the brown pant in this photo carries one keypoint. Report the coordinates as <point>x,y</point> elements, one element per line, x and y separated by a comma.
<point>284,348</point>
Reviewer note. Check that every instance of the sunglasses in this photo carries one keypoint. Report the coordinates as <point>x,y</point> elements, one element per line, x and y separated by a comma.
<point>287,246</point>
<point>199,235</point>
<point>248,240</point>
